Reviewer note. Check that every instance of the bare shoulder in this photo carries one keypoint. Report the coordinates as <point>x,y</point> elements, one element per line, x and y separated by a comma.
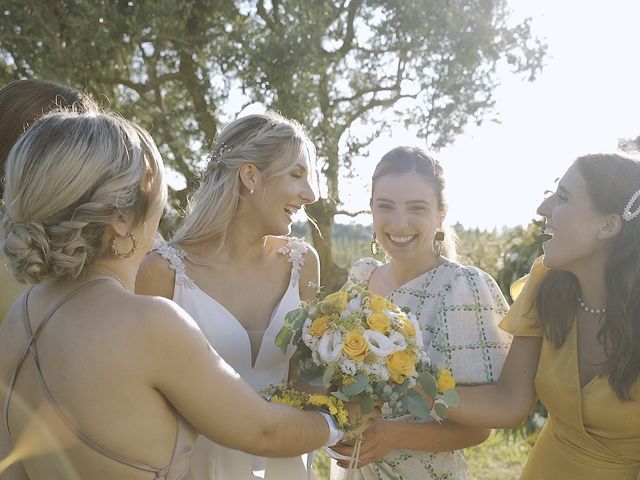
<point>155,276</point>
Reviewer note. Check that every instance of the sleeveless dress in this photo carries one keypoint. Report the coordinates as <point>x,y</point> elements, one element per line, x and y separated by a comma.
<point>178,467</point>
<point>228,337</point>
<point>590,433</point>
<point>458,309</point>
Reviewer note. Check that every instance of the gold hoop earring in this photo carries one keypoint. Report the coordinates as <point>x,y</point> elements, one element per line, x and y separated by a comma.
<point>134,246</point>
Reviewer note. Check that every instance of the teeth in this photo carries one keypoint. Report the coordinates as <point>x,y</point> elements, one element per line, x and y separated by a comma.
<point>549,231</point>
<point>404,239</point>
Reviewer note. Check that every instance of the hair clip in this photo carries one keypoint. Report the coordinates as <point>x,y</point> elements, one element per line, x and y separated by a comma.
<point>627,214</point>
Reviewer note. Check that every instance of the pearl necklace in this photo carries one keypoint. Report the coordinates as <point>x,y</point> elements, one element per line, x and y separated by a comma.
<point>588,309</point>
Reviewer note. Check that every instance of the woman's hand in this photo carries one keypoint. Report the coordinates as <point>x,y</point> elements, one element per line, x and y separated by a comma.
<point>377,441</point>
<point>361,421</point>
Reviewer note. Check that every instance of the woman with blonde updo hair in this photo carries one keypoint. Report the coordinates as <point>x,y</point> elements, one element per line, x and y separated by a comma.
<point>96,381</point>
<point>232,266</point>
<point>21,103</point>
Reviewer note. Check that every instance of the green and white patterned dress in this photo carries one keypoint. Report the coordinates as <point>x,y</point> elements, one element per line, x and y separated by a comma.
<point>458,308</point>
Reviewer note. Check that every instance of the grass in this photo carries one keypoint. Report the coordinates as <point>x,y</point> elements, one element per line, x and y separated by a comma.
<point>498,457</point>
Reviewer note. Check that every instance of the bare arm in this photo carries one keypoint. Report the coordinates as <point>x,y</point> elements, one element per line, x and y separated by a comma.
<point>155,277</point>
<point>506,403</point>
<point>386,436</point>
<point>215,400</point>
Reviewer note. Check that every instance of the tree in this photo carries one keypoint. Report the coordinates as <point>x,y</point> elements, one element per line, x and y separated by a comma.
<point>335,64</point>
<point>167,64</point>
<point>338,64</point>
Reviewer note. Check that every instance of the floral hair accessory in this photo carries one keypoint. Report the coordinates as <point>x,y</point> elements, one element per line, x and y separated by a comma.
<point>627,214</point>
<point>218,153</point>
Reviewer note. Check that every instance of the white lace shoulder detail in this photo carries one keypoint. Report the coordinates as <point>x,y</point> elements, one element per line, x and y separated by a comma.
<point>295,249</point>
<point>175,257</point>
<point>361,271</point>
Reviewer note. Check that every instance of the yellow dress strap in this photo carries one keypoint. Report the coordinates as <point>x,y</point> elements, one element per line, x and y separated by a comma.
<point>522,318</point>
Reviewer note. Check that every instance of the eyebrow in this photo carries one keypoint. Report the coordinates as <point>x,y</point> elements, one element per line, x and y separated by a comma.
<point>409,202</point>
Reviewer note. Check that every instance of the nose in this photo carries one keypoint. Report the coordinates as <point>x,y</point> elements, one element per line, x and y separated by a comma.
<point>399,220</point>
<point>308,195</point>
<point>544,208</point>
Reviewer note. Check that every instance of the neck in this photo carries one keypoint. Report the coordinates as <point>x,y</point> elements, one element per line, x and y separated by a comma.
<point>592,282</point>
<point>121,270</point>
<point>242,245</point>
<point>403,271</point>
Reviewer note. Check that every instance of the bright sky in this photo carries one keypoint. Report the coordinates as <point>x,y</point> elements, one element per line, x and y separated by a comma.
<point>587,97</point>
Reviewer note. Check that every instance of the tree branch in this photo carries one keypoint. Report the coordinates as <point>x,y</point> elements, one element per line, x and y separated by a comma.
<point>353,214</point>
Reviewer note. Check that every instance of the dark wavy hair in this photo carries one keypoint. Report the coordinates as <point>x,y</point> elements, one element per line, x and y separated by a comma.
<point>611,181</point>
<point>22,102</point>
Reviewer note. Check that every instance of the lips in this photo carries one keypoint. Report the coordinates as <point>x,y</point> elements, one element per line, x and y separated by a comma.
<point>291,210</point>
<point>401,239</point>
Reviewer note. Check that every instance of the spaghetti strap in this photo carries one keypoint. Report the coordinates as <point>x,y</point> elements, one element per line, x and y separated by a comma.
<point>31,348</point>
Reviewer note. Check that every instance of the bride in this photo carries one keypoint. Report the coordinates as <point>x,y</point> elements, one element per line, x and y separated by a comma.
<point>232,269</point>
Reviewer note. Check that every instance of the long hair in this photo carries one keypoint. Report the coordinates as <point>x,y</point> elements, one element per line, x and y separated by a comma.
<point>417,160</point>
<point>262,140</point>
<point>24,101</point>
<point>611,181</point>
<point>68,177</point>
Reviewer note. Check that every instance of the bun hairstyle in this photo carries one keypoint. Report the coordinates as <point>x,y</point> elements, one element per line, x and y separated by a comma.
<point>263,140</point>
<point>22,102</point>
<point>417,160</point>
<point>67,179</point>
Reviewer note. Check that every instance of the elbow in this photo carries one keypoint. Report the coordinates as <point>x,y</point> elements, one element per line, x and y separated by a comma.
<point>264,442</point>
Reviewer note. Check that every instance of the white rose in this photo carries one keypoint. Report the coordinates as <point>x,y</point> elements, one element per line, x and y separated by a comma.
<point>416,326</point>
<point>330,346</point>
<point>398,341</point>
<point>378,342</point>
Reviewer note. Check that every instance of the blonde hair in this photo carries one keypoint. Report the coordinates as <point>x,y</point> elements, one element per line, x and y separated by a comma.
<point>261,140</point>
<point>67,178</point>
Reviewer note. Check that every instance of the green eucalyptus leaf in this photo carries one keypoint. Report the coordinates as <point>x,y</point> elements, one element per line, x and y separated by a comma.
<point>340,395</point>
<point>328,375</point>
<point>441,410</point>
<point>451,398</point>
<point>416,405</point>
<point>366,404</point>
<point>361,382</point>
<point>283,338</point>
<point>428,383</point>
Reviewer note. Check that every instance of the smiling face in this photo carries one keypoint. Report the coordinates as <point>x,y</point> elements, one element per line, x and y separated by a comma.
<point>281,194</point>
<point>406,215</point>
<point>575,226</point>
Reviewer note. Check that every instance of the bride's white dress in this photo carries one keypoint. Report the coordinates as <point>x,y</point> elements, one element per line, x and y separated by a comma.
<point>228,337</point>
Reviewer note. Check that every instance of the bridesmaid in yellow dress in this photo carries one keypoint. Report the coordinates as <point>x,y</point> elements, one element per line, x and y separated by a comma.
<point>577,331</point>
<point>21,102</point>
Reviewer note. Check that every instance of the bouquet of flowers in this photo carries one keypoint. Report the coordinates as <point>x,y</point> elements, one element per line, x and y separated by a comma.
<point>365,349</point>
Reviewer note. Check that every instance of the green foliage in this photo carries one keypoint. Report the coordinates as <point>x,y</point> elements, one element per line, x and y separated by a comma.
<point>172,65</point>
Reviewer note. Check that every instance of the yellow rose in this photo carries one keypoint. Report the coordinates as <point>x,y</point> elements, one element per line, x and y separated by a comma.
<point>319,326</point>
<point>339,300</point>
<point>401,364</point>
<point>355,346</point>
<point>378,304</point>
<point>379,322</point>
<point>445,380</point>
<point>407,326</point>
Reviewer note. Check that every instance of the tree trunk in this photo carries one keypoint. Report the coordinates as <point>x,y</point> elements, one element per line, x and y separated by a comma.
<point>332,277</point>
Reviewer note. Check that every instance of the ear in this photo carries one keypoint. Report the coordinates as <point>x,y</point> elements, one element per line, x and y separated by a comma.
<point>611,227</point>
<point>249,176</point>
